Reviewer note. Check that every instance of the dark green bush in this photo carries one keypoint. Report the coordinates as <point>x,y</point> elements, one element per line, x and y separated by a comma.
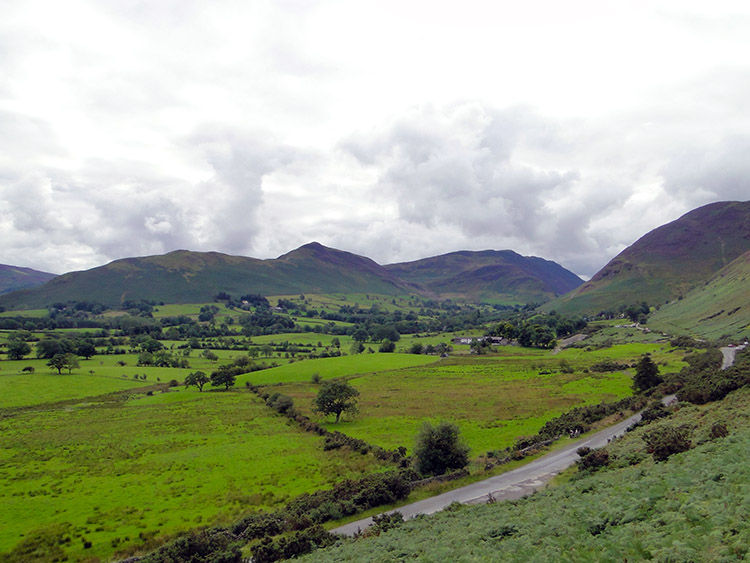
<point>668,440</point>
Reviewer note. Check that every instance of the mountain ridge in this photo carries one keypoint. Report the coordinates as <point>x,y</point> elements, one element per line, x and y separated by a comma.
<point>184,276</point>
<point>14,278</point>
<point>666,262</point>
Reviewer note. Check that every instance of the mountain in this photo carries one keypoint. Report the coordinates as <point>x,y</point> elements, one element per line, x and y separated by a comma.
<point>196,277</point>
<point>719,307</point>
<point>667,262</point>
<point>501,275</point>
<point>13,278</point>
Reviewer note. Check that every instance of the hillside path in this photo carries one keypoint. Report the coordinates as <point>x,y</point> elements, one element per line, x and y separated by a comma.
<point>508,486</point>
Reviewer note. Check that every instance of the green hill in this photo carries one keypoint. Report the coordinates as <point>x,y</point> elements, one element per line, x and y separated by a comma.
<point>720,307</point>
<point>13,278</point>
<point>667,262</point>
<point>196,277</point>
<point>501,275</point>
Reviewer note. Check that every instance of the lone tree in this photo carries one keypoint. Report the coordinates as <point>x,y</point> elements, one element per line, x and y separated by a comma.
<point>646,374</point>
<point>199,379</point>
<point>336,397</point>
<point>440,449</point>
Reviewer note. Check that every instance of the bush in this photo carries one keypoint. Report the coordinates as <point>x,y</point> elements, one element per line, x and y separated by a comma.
<point>440,449</point>
<point>592,460</point>
<point>667,440</point>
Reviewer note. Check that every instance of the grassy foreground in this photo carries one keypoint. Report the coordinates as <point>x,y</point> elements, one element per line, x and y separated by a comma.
<point>115,471</point>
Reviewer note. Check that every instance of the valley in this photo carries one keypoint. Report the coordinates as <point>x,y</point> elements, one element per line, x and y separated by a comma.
<point>169,407</point>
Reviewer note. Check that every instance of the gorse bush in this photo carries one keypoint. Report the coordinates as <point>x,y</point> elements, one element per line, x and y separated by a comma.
<point>668,440</point>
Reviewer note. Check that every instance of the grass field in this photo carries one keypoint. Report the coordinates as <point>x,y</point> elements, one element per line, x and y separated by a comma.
<point>493,399</point>
<point>115,472</point>
<point>327,368</point>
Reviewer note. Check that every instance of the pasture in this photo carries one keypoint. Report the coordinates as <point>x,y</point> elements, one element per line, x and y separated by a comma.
<point>119,471</point>
<point>493,398</point>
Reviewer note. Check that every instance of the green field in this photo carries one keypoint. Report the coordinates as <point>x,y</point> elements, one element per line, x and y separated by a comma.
<point>493,399</point>
<point>119,471</point>
<point>327,368</point>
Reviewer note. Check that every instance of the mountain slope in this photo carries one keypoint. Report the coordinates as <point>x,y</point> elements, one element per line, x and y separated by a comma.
<point>717,308</point>
<point>489,274</point>
<point>195,277</point>
<point>668,261</point>
<point>13,278</point>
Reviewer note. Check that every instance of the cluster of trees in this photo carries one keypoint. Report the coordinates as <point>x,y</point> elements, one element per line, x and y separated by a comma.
<point>538,331</point>
<point>50,347</point>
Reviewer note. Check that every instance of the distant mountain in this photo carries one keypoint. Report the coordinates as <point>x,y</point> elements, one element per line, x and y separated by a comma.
<point>13,278</point>
<point>667,262</point>
<point>196,277</point>
<point>501,275</point>
<point>719,307</point>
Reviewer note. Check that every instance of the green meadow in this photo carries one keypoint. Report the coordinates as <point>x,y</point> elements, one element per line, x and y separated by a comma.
<point>119,471</point>
<point>343,366</point>
<point>494,398</point>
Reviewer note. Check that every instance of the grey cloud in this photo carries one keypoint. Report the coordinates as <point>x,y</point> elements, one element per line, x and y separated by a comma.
<point>707,173</point>
<point>458,168</point>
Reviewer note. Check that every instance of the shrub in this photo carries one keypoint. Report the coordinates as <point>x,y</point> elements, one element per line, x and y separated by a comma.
<point>592,460</point>
<point>667,440</point>
<point>440,449</point>
<point>719,430</point>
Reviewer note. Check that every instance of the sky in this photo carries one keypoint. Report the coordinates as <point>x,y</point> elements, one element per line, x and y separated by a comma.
<point>393,129</point>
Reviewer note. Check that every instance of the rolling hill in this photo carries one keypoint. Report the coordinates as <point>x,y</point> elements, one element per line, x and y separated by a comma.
<point>13,278</point>
<point>195,277</point>
<point>667,262</point>
<point>501,275</point>
<point>719,307</point>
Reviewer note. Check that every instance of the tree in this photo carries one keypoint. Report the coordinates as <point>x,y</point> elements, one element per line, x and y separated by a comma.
<point>222,377</point>
<point>336,397</point>
<point>387,346</point>
<point>63,361</point>
<point>18,349</point>
<point>646,374</point>
<point>198,379</point>
<point>50,347</point>
<point>86,349</point>
<point>440,449</point>
<point>360,335</point>
<point>210,356</point>
<point>71,362</point>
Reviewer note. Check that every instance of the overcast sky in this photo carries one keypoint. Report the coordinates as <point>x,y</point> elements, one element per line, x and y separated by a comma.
<point>393,129</point>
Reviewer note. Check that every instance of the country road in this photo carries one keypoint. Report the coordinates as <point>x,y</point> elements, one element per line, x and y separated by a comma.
<point>511,485</point>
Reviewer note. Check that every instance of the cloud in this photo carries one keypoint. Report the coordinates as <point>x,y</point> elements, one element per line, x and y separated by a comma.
<point>251,128</point>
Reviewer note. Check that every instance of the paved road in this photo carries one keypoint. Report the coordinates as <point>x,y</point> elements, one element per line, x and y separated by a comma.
<point>511,485</point>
